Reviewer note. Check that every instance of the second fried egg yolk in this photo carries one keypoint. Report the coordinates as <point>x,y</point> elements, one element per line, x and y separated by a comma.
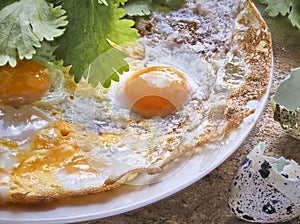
<point>25,83</point>
<point>157,91</point>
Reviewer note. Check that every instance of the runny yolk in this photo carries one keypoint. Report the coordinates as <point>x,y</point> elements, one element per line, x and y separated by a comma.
<point>25,83</point>
<point>157,91</point>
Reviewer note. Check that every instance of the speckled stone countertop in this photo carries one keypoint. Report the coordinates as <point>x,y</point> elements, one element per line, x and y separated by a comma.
<point>206,200</point>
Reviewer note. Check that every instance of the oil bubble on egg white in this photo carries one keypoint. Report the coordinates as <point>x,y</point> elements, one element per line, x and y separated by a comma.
<point>19,124</point>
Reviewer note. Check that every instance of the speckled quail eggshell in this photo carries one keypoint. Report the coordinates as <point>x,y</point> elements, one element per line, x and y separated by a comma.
<point>286,104</point>
<point>266,189</point>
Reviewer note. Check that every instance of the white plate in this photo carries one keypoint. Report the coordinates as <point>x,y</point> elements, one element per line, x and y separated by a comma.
<point>130,197</point>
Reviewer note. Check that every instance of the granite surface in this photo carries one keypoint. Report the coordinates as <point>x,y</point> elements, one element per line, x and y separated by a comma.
<point>206,200</point>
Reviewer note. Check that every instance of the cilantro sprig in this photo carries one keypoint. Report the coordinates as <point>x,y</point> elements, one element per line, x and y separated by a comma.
<point>24,25</point>
<point>85,40</point>
<point>290,8</point>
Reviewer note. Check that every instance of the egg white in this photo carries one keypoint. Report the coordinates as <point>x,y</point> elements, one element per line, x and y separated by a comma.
<point>143,144</point>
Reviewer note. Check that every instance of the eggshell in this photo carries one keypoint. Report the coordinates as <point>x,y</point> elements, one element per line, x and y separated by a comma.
<point>286,105</point>
<point>265,189</point>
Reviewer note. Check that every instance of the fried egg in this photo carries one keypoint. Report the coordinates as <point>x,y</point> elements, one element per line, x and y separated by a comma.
<point>20,87</point>
<point>156,120</point>
<point>189,81</point>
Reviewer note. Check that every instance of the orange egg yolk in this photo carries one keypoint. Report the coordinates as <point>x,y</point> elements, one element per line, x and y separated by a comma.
<point>157,91</point>
<point>25,83</point>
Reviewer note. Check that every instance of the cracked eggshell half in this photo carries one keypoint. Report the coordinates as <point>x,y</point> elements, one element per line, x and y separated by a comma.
<point>286,104</point>
<point>265,189</point>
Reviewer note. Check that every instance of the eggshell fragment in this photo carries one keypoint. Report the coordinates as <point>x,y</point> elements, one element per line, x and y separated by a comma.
<point>286,104</point>
<point>265,189</point>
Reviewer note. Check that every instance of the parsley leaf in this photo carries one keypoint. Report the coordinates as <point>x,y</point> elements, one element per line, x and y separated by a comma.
<point>91,23</point>
<point>284,7</point>
<point>24,25</point>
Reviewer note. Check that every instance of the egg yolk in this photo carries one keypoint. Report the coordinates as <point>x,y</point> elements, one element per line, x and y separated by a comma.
<point>25,83</point>
<point>157,91</point>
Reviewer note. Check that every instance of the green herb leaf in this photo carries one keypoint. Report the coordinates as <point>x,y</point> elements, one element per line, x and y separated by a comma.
<point>109,64</point>
<point>46,51</point>
<point>169,3</point>
<point>54,2</point>
<point>24,25</point>
<point>284,7</point>
<point>145,7</point>
<point>103,2</point>
<point>294,15</point>
<point>85,39</point>
<point>4,3</point>
<point>138,8</point>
